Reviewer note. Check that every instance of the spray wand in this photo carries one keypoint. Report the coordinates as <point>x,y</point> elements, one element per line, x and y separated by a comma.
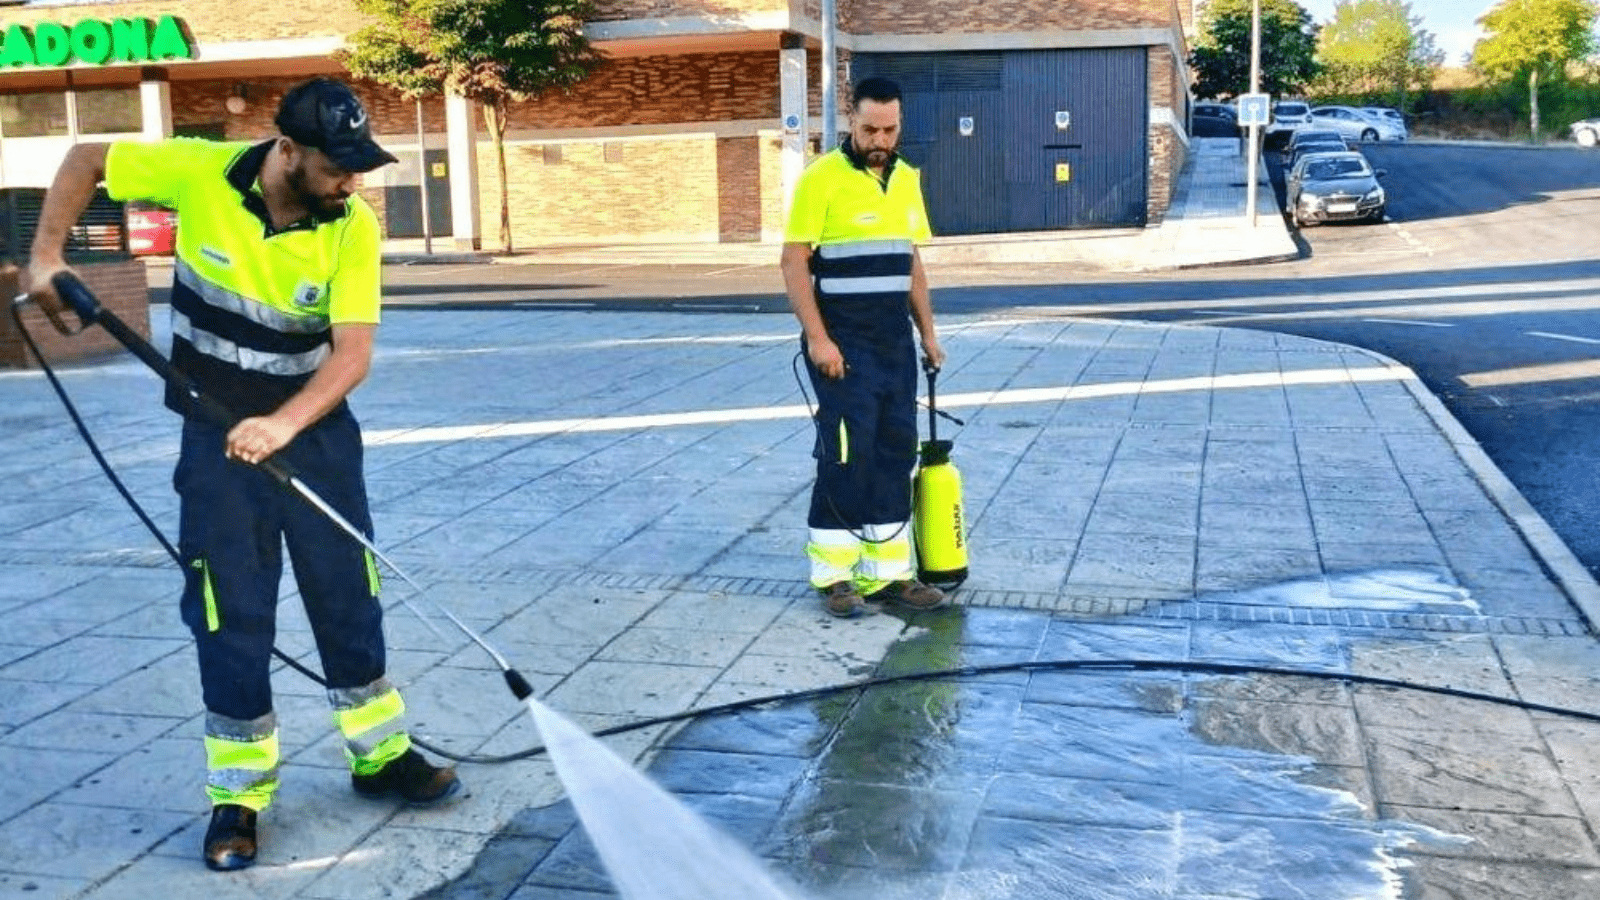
<point>90,311</point>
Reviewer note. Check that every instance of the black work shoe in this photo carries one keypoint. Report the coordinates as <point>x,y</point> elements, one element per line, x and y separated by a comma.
<point>231,838</point>
<point>411,778</point>
<point>909,595</point>
<point>841,599</point>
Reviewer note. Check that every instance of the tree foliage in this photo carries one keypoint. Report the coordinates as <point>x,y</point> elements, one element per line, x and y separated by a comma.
<point>1376,48</point>
<point>1535,40</point>
<point>493,52</point>
<point>1221,57</point>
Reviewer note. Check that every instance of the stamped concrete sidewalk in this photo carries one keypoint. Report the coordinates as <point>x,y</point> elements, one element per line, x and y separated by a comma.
<point>616,500</point>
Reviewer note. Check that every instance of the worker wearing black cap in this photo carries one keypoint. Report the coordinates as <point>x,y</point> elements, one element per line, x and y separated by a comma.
<point>275,303</point>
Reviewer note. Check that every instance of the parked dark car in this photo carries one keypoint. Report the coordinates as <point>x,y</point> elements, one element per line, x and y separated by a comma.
<point>1327,187</point>
<point>1310,135</point>
<point>1214,120</point>
<point>152,230</point>
<point>1305,147</point>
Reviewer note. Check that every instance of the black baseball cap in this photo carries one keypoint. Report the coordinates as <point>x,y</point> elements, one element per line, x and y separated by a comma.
<point>325,114</point>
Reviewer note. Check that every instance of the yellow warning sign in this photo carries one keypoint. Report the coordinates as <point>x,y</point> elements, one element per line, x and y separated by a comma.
<point>438,169</point>
<point>1063,171</point>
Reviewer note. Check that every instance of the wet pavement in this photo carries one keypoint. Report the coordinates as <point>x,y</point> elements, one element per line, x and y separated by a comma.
<point>1131,783</point>
<point>616,500</point>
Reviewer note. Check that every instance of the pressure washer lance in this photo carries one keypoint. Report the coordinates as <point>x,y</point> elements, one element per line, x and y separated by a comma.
<point>936,492</point>
<point>76,295</point>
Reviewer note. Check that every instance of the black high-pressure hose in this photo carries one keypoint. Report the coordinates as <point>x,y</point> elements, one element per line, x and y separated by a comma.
<point>961,672</point>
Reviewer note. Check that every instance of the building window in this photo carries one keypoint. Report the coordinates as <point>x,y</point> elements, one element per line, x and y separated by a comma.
<point>109,111</point>
<point>33,115</point>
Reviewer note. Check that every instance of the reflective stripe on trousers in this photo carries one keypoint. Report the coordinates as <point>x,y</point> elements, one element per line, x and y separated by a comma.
<point>241,760</point>
<point>372,721</point>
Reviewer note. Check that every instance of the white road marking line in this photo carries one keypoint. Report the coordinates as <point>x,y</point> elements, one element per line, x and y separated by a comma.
<point>1338,375</point>
<point>1563,337</point>
<point>1411,322</point>
<point>1565,371</point>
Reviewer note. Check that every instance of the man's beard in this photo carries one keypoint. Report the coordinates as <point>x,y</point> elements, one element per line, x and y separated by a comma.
<point>878,157</point>
<point>324,204</point>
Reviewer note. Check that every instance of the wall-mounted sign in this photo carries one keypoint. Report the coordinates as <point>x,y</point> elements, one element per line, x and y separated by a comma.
<point>1063,172</point>
<point>95,42</point>
<point>965,125</point>
<point>1063,119</point>
<point>791,123</point>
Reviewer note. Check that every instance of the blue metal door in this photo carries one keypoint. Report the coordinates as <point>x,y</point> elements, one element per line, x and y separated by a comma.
<point>1024,140</point>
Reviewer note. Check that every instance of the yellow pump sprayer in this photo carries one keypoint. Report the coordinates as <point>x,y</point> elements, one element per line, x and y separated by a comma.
<point>939,527</point>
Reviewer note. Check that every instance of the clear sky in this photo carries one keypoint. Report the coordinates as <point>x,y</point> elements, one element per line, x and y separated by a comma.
<point>1453,22</point>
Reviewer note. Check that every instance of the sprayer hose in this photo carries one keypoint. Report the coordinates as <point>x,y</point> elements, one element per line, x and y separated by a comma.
<point>1049,665</point>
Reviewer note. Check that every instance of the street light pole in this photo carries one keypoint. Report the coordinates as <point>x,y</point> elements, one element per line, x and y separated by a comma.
<point>830,62</point>
<point>1253,157</point>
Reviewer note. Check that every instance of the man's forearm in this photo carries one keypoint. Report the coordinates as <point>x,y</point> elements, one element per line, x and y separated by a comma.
<point>344,369</point>
<point>796,266</point>
<point>69,195</point>
<point>921,300</point>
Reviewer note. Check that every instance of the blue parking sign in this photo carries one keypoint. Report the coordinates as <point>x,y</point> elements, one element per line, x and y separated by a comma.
<point>1255,109</point>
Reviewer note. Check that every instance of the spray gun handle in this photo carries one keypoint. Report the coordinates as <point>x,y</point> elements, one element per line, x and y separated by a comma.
<point>76,295</point>
<point>928,366</point>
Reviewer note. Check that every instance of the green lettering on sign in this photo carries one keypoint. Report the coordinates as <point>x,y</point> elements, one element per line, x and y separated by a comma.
<point>91,41</point>
<point>95,42</point>
<point>18,49</point>
<point>130,39</point>
<point>50,44</point>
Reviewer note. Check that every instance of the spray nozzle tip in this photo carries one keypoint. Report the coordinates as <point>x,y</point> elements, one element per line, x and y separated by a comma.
<point>520,688</point>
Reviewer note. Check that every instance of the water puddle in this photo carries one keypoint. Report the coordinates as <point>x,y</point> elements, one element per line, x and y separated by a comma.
<point>1383,590</point>
<point>1033,785</point>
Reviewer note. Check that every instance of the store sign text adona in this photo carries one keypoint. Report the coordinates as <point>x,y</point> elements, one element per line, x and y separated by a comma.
<point>95,42</point>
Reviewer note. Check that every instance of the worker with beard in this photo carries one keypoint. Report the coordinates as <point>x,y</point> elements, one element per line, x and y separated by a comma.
<point>856,284</point>
<point>275,302</point>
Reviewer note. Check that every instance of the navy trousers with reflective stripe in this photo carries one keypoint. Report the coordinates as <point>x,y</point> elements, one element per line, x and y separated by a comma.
<point>233,525</point>
<point>864,472</point>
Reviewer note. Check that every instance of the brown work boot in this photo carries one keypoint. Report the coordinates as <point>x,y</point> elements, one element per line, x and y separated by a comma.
<point>231,838</point>
<point>410,777</point>
<point>841,599</point>
<point>909,594</point>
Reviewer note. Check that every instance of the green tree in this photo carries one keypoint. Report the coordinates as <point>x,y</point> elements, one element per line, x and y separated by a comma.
<point>493,52</point>
<point>1373,48</point>
<point>1221,57</point>
<point>1535,40</point>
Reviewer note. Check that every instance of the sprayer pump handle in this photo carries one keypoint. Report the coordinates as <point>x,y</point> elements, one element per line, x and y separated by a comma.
<point>76,295</point>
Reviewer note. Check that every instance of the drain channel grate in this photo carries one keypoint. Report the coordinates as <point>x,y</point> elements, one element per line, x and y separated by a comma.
<point>1172,608</point>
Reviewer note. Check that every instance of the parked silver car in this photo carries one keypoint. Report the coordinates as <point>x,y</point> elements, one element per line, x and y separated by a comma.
<point>1354,124</point>
<point>1327,187</point>
<point>1390,115</point>
<point>1287,117</point>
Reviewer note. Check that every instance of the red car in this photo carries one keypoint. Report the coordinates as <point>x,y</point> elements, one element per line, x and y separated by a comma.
<point>152,230</point>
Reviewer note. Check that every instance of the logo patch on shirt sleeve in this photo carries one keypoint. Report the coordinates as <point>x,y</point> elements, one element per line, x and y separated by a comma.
<point>215,255</point>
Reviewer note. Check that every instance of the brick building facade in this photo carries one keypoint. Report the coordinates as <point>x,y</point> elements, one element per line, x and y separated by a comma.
<point>692,129</point>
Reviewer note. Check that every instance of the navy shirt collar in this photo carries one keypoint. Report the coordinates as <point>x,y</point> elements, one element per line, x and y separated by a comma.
<point>245,171</point>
